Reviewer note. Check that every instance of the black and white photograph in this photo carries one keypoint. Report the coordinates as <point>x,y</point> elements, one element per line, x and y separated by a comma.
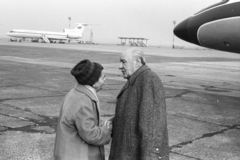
<point>119,80</point>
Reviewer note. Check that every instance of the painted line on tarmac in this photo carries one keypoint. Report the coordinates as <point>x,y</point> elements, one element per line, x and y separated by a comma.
<point>37,61</point>
<point>109,68</point>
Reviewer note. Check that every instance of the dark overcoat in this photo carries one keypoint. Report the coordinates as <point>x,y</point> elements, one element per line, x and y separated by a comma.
<point>140,122</point>
<point>79,136</point>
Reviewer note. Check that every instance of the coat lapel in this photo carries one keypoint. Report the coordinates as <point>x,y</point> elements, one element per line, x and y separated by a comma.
<point>85,90</point>
<point>132,78</point>
<point>124,87</point>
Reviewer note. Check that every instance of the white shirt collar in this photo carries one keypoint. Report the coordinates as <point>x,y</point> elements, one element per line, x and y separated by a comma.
<point>93,91</point>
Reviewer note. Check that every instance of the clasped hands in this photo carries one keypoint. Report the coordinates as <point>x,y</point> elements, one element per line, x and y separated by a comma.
<point>108,124</point>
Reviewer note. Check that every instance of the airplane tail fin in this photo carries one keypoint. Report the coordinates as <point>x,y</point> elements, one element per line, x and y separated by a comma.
<point>78,29</point>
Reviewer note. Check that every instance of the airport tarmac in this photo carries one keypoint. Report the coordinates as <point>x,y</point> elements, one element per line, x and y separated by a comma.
<point>202,95</point>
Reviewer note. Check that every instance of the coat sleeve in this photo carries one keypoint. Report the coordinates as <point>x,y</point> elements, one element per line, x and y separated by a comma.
<point>88,130</point>
<point>152,120</point>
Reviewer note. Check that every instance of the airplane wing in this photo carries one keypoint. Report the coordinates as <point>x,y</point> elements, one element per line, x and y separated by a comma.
<point>48,38</point>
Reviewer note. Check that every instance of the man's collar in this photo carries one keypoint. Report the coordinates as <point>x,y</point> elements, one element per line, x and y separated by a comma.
<point>137,73</point>
<point>133,77</point>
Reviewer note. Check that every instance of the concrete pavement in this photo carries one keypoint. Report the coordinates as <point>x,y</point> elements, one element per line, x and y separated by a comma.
<point>202,95</point>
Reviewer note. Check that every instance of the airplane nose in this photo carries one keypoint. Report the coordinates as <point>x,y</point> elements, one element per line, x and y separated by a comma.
<point>181,30</point>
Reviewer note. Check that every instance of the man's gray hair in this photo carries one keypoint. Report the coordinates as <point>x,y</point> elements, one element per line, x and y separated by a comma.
<point>137,53</point>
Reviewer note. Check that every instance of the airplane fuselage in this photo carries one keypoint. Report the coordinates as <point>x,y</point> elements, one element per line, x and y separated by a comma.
<point>42,34</point>
<point>34,34</point>
<point>68,34</point>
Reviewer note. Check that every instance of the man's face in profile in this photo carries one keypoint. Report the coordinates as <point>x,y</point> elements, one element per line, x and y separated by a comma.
<point>127,65</point>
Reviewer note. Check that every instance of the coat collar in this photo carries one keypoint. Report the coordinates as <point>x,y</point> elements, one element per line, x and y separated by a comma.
<point>85,90</point>
<point>137,73</point>
<point>92,90</point>
<point>133,77</point>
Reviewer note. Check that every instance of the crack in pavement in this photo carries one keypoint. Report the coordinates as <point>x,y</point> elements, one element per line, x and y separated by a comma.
<point>179,95</point>
<point>44,122</point>
<point>47,121</point>
<point>25,98</point>
<point>186,155</point>
<point>182,144</point>
<point>215,89</point>
<point>196,119</point>
<point>19,84</point>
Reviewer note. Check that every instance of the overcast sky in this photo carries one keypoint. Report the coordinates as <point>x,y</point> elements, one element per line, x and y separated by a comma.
<point>152,19</point>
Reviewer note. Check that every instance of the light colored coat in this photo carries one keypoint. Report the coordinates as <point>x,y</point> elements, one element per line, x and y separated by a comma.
<point>79,136</point>
<point>140,122</point>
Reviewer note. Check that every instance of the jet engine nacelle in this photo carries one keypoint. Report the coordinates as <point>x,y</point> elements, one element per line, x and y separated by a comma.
<point>72,36</point>
<point>67,30</point>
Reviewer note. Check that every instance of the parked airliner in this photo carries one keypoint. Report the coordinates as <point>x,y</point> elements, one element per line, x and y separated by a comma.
<point>67,34</point>
<point>216,27</point>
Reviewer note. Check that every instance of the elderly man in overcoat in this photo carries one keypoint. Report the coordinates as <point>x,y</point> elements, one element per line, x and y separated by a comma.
<point>140,122</point>
<point>79,133</point>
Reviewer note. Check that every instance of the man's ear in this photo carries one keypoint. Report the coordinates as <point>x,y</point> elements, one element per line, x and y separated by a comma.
<point>138,63</point>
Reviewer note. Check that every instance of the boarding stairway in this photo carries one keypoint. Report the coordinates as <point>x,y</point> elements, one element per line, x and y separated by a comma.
<point>45,39</point>
<point>134,41</point>
<point>139,44</point>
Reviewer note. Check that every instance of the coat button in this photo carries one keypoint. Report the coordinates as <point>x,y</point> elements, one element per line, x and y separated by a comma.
<point>157,149</point>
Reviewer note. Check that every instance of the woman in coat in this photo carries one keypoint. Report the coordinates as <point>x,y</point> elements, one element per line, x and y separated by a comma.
<point>79,135</point>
